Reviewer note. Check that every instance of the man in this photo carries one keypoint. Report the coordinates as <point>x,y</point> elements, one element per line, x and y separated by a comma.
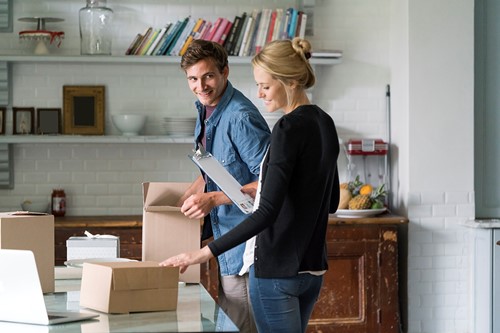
<point>232,129</point>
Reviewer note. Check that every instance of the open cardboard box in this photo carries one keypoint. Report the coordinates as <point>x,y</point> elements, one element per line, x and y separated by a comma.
<point>34,232</point>
<point>124,287</point>
<point>166,231</point>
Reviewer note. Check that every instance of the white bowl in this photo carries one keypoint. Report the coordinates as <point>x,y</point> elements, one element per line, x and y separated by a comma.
<point>35,206</point>
<point>129,124</point>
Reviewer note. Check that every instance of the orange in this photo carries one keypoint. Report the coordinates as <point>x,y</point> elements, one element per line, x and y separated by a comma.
<point>366,189</point>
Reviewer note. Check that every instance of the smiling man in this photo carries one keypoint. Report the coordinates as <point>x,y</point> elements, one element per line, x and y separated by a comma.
<point>233,130</point>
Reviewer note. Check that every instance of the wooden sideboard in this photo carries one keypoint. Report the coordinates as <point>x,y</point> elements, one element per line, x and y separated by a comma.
<point>128,228</point>
<point>361,289</point>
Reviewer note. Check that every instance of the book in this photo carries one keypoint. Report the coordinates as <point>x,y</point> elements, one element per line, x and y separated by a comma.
<point>169,38</point>
<point>215,26</point>
<point>230,38</point>
<point>144,40</point>
<point>239,35</point>
<point>157,40</point>
<point>133,45</point>
<point>199,24</point>
<point>225,33</point>
<point>262,33</point>
<point>188,27</point>
<point>272,23</point>
<point>293,23</point>
<point>162,39</point>
<point>251,43</point>
<point>246,36</point>
<point>150,41</point>
<point>303,23</point>
<point>220,30</point>
<point>278,24</point>
<point>286,24</point>
<point>177,35</point>
<point>206,30</point>
<point>247,41</point>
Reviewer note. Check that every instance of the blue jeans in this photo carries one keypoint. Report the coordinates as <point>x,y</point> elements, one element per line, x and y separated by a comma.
<point>285,304</point>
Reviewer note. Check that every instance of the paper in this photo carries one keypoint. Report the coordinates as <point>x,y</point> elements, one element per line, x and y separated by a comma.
<point>223,179</point>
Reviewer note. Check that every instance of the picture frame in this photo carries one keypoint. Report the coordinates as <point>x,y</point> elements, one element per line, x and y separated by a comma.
<point>83,110</point>
<point>23,120</point>
<point>48,121</point>
<point>3,115</point>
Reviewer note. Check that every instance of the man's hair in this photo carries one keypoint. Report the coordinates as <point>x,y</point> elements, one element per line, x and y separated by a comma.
<point>200,49</point>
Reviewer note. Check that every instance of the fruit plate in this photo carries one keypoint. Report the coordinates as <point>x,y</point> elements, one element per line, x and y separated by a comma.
<point>357,213</point>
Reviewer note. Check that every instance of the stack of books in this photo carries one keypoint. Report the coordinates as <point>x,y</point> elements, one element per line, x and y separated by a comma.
<point>244,36</point>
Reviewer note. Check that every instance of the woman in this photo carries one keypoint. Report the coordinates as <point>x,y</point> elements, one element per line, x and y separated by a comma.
<point>298,189</point>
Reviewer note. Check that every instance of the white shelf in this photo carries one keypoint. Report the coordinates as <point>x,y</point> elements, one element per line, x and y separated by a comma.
<point>131,59</point>
<point>93,139</point>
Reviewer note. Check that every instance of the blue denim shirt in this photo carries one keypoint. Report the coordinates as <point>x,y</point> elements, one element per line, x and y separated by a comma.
<point>237,136</point>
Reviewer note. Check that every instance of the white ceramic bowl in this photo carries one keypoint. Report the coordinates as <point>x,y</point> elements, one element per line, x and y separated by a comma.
<point>129,124</point>
<point>35,206</point>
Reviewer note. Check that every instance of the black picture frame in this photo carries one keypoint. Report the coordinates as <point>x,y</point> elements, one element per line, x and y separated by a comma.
<point>48,121</point>
<point>3,114</point>
<point>23,120</point>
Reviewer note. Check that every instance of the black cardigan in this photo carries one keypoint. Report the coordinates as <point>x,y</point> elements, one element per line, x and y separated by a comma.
<point>300,187</point>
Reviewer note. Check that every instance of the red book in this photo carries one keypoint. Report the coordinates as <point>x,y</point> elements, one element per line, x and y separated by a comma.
<point>270,31</point>
<point>215,26</point>
<point>220,30</point>
<point>225,33</point>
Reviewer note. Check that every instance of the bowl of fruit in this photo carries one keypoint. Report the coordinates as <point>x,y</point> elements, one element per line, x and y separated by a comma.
<point>358,199</point>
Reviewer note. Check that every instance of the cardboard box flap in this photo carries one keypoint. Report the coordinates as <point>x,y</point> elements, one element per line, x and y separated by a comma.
<point>162,194</point>
<point>144,277</point>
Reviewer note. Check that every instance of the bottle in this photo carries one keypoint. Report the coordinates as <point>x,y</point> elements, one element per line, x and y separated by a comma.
<point>58,202</point>
<point>95,28</point>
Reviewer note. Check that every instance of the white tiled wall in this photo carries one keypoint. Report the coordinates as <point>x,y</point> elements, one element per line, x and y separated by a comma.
<point>105,178</point>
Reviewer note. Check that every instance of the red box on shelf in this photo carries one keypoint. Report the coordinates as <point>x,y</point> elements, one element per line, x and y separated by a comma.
<point>367,147</point>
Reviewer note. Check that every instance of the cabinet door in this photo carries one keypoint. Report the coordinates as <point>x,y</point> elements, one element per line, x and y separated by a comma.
<point>349,297</point>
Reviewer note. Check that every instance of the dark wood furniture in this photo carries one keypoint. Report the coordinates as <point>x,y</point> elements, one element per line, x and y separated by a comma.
<point>128,228</point>
<point>361,291</point>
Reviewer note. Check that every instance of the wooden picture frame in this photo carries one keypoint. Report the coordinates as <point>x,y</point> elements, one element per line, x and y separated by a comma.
<point>83,110</point>
<point>23,120</point>
<point>3,115</point>
<point>48,121</point>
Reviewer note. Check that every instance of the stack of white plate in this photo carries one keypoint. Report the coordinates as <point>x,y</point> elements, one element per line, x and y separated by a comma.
<point>179,126</point>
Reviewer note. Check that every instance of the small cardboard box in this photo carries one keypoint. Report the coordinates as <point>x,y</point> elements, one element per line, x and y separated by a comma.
<point>124,287</point>
<point>166,231</point>
<point>34,232</point>
<point>97,247</point>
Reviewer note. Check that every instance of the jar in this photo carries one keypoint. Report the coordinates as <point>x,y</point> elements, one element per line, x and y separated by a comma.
<point>58,202</point>
<point>95,28</point>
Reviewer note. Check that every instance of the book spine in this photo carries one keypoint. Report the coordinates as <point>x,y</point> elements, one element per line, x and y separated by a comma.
<point>220,30</point>
<point>151,39</point>
<point>214,28</point>
<point>241,35</point>
<point>286,24</point>
<point>263,26</point>
<point>293,24</point>
<point>270,30</point>
<point>134,43</point>
<point>177,36</point>
<point>143,40</point>
<point>162,39</point>
<point>238,33</point>
<point>222,39</point>
<point>246,36</point>
<point>251,47</point>
<point>191,36</point>
<point>168,40</point>
<point>206,30</point>
<point>157,40</point>
<point>303,23</point>
<point>230,38</point>
<point>279,22</point>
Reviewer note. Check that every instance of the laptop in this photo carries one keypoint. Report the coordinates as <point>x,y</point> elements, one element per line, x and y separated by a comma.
<point>21,296</point>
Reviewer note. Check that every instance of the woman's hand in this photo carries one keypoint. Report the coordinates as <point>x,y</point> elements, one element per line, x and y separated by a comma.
<point>184,260</point>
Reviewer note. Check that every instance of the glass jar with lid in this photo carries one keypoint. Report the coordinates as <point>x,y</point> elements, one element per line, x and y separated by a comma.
<point>95,28</point>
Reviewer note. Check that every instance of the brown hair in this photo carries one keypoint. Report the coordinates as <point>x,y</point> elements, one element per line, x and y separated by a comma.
<point>200,49</point>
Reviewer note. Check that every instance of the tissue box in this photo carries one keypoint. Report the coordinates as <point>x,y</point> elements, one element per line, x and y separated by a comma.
<point>34,232</point>
<point>98,247</point>
<point>124,287</point>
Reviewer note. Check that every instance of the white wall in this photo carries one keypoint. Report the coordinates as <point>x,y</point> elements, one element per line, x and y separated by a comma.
<point>425,56</point>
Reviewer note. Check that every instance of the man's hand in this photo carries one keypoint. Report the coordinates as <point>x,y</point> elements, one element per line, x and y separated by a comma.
<point>250,189</point>
<point>198,205</point>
